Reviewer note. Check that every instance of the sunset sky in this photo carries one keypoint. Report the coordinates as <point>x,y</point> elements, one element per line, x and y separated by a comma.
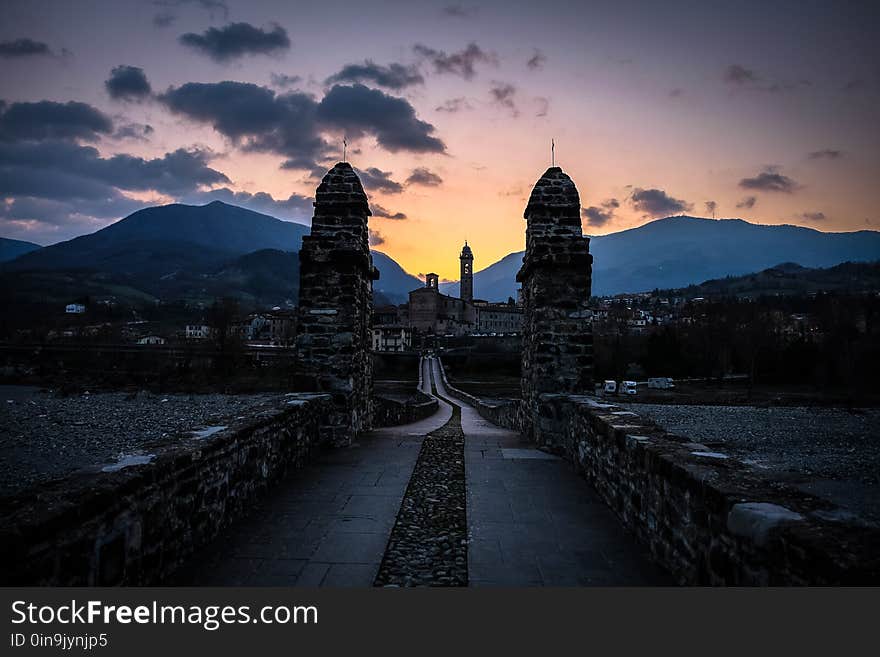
<point>769,110</point>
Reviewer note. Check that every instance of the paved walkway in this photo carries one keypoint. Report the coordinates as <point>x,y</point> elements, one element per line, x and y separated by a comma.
<point>531,520</point>
<point>534,522</point>
<point>326,524</point>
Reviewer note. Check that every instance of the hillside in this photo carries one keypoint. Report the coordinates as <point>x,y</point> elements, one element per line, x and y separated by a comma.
<point>184,252</point>
<point>789,278</point>
<point>679,251</point>
<point>176,252</point>
<point>11,249</point>
<point>166,239</point>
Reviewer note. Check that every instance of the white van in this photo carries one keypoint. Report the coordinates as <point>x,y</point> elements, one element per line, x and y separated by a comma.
<point>660,383</point>
<point>610,388</point>
<point>629,387</point>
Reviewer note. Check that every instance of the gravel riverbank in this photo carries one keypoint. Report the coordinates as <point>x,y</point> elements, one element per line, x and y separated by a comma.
<point>43,436</point>
<point>830,452</point>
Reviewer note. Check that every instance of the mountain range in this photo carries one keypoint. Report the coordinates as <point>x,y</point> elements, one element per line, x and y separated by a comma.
<point>678,251</point>
<point>789,278</point>
<point>11,249</point>
<point>178,251</point>
<point>198,253</point>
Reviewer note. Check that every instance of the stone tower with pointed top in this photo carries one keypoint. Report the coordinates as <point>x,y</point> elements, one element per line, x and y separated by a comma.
<point>336,302</point>
<point>557,355</point>
<point>466,287</point>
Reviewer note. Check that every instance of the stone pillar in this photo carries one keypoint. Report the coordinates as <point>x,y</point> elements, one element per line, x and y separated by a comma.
<point>557,355</point>
<point>333,344</point>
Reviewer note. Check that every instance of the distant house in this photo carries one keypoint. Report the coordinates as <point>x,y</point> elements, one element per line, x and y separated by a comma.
<point>75,309</point>
<point>392,337</point>
<point>282,326</point>
<point>151,339</point>
<point>498,317</point>
<point>197,332</point>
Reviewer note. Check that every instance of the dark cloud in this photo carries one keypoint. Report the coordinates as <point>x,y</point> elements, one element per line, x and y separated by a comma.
<point>46,119</point>
<point>213,6</point>
<point>459,11</point>
<point>24,48</point>
<point>60,169</point>
<point>379,211</point>
<point>392,121</point>
<point>747,203</point>
<point>657,203</point>
<point>597,216</point>
<point>504,94</point>
<point>47,221</point>
<point>423,176</point>
<point>770,180</point>
<point>164,19</point>
<point>394,76</point>
<point>255,118</point>
<point>242,109</point>
<point>462,63</point>
<point>376,238</point>
<point>55,189</point>
<point>826,153</point>
<point>128,83</point>
<point>711,207</point>
<point>236,40</point>
<point>813,216</point>
<point>291,124</point>
<point>137,131</point>
<point>296,206</point>
<point>740,75</point>
<point>60,214</point>
<point>374,179</point>
<point>537,60</point>
<point>542,106</point>
<point>283,80</point>
<point>454,105</point>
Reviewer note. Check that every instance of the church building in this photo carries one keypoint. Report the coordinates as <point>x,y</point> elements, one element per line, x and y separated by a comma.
<point>432,312</point>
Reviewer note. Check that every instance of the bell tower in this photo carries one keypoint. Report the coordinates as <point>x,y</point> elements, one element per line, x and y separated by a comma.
<point>467,273</point>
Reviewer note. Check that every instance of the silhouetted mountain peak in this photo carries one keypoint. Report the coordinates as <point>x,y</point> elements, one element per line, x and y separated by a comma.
<point>677,251</point>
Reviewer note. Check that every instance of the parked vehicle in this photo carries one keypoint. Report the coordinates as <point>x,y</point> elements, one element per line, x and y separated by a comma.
<point>660,383</point>
<point>610,388</point>
<point>629,387</point>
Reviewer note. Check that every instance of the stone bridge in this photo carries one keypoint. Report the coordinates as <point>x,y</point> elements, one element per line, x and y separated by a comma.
<point>557,489</point>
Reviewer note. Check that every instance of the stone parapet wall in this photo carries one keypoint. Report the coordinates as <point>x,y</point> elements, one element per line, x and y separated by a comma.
<point>392,413</point>
<point>137,525</point>
<point>707,518</point>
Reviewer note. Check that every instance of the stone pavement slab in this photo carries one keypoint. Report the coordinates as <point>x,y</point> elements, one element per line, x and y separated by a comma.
<point>326,524</point>
<point>532,521</point>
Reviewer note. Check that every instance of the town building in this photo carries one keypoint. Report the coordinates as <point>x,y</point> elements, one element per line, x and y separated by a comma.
<point>430,311</point>
<point>282,326</point>
<point>197,332</point>
<point>151,340</point>
<point>392,337</point>
<point>498,317</point>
